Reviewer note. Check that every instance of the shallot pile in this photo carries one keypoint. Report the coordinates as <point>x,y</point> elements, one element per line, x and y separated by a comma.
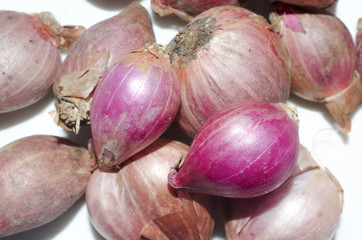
<point>184,135</point>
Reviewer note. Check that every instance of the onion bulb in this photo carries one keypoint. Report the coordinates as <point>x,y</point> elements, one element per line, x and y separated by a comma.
<point>135,101</point>
<point>307,206</point>
<point>226,55</point>
<point>323,59</point>
<point>99,46</point>
<point>29,59</point>
<point>41,176</point>
<point>137,203</point>
<point>246,150</point>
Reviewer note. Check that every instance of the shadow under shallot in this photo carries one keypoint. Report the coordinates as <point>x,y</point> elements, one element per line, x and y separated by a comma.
<point>175,133</point>
<point>95,233</point>
<point>82,137</point>
<point>13,118</point>
<point>52,228</point>
<point>168,22</point>
<point>261,7</point>
<point>219,229</point>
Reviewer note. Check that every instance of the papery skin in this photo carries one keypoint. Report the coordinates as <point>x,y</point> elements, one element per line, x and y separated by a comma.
<point>188,9</point>
<point>99,46</point>
<point>41,177</point>
<point>307,206</point>
<point>137,200</point>
<point>244,151</point>
<point>219,60</point>
<point>359,46</point>
<point>323,59</point>
<point>136,100</point>
<point>309,3</point>
<point>29,60</point>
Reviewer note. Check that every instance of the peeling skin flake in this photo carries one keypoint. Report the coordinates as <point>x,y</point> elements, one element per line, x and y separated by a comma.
<point>74,91</point>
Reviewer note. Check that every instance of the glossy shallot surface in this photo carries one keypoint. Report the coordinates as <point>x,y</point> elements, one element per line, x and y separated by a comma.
<point>136,100</point>
<point>246,150</point>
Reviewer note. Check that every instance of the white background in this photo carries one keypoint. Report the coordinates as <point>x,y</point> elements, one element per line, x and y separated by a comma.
<point>339,152</point>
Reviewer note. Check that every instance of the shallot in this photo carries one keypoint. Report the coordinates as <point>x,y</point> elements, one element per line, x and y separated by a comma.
<point>41,177</point>
<point>323,59</point>
<point>226,55</point>
<point>29,59</point>
<point>246,150</point>
<point>135,101</point>
<point>99,46</point>
<point>307,206</point>
<point>137,203</point>
<point>187,9</point>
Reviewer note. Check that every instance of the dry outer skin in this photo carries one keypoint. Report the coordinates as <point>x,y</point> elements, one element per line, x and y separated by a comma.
<point>41,177</point>
<point>345,102</point>
<point>197,34</point>
<point>63,36</point>
<point>75,89</point>
<point>191,38</point>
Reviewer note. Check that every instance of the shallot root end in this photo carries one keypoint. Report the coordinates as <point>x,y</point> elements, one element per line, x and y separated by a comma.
<point>345,102</point>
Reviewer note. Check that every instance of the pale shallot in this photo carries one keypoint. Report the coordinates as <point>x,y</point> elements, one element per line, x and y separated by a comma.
<point>41,176</point>
<point>29,59</point>
<point>226,55</point>
<point>307,206</point>
<point>323,59</point>
<point>137,203</point>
